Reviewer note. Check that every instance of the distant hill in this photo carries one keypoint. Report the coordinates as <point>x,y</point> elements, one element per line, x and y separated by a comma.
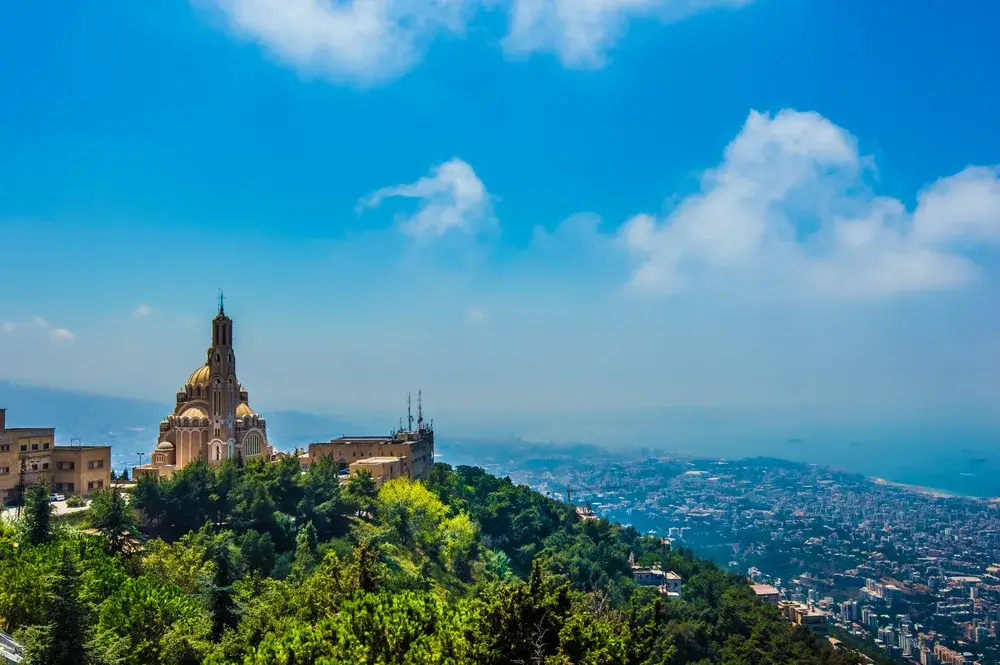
<point>130,424</point>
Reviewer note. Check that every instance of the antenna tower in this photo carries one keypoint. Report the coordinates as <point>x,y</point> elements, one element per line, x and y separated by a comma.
<point>409,414</point>
<point>420,409</point>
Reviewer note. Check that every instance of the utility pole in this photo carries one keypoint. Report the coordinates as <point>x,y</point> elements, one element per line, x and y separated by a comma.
<point>140,454</point>
<point>21,481</point>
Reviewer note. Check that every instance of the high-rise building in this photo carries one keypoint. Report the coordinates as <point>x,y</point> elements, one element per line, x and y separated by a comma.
<point>849,610</point>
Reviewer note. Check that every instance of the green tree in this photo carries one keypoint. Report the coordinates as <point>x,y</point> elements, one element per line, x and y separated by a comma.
<point>65,640</point>
<point>221,605</point>
<point>257,553</point>
<point>182,563</point>
<point>414,512</point>
<point>361,493</point>
<point>147,497</point>
<point>136,620</point>
<point>111,515</point>
<point>37,515</point>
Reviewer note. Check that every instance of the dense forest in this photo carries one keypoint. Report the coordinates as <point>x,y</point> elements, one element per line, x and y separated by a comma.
<point>260,563</point>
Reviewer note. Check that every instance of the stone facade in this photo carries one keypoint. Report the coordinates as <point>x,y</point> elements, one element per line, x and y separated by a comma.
<point>415,449</point>
<point>382,469</point>
<point>212,419</point>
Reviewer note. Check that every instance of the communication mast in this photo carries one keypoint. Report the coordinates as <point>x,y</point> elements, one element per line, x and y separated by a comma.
<point>409,414</point>
<point>420,410</point>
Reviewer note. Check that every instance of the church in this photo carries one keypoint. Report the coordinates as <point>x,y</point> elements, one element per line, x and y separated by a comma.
<point>212,419</point>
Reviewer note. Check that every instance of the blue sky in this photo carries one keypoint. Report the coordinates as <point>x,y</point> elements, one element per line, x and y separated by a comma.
<point>519,206</point>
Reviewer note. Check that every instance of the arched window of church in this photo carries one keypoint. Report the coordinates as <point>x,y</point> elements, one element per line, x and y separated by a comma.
<point>252,444</point>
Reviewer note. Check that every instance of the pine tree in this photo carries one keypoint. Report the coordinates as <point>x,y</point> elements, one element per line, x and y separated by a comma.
<point>38,516</point>
<point>220,593</point>
<point>65,641</point>
<point>111,515</point>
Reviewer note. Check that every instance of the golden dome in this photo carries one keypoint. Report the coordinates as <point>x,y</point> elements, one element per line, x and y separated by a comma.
<point>244,410</point>
<point>200,376</point>
<point>164,446</point>
<point>194,412</point>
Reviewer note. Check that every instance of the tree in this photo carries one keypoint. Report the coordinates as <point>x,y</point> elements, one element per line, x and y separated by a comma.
<point>148,498</point>
<point>361,492</point>
<point>257,552</point>
<point>123,476</point>
<point>414,511</point>
<point>113,475</point>
<point>220,592</point>
<point>136,620</point>
<point>111,515</point>
<point>38,516</point>
<point>459,536</point>
<point>65,640</point>
<point>369,566</point>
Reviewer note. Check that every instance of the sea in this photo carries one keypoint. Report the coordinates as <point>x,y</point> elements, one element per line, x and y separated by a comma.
<point>956,462</point>
<point>950,456</point>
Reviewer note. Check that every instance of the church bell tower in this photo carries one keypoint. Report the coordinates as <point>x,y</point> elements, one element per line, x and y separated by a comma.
<point>224,394</point>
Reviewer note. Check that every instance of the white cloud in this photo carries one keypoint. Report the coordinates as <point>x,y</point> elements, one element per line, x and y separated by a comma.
<point>363,40</point>
<point>61,335</point>
<point>375,40</point>
<point>781,172</point>
<point>475,315</point>
<point>142,311</point>
<point>580,32</point>
<point>38,324</point>
<point>451,198</point>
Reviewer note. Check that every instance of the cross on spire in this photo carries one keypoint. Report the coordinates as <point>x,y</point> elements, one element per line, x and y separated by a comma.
<point>222,302</point>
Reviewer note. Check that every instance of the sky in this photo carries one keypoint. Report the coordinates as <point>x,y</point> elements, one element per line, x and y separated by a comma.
<point>517,206</point>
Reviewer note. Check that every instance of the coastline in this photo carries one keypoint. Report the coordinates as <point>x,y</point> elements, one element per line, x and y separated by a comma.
<point>930,491</point>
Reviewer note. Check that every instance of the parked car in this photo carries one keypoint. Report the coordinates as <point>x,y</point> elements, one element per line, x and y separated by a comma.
<point>57,497</point>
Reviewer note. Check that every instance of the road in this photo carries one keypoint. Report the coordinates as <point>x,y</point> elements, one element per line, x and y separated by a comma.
<point>58,508</point>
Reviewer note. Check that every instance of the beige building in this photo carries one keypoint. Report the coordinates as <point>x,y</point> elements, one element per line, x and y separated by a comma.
<point>382,469</point>
<point>414,449</point>
<point>767,593</point>
<point>65,469</point>
<point>212,419</point>
<point>804,615</point>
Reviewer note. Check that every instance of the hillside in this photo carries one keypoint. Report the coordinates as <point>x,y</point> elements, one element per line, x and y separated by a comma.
<point>261,564</point>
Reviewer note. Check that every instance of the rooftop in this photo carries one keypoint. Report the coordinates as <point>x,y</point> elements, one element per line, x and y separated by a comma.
<point>71,447</point>
<point>378,460</point>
